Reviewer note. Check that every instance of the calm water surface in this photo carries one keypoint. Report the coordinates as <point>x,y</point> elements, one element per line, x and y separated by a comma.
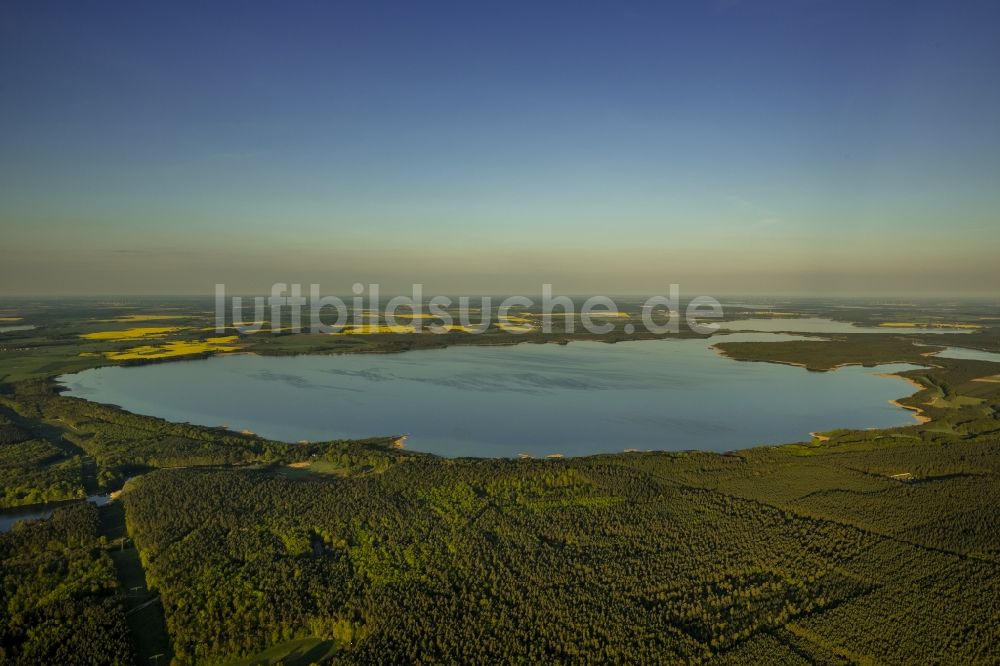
<point>969,354</point>
<point>19,327</point>
<point>578,399</point>
<point>10,517</point>
<point>821,325</point>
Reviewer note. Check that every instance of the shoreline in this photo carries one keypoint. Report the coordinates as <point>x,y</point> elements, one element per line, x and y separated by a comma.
<point>399,442</point>
<point>796,364</point>
<point>918,413</point>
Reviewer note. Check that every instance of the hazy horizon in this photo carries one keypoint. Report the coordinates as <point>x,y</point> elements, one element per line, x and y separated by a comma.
<point>883,299</point>
<point>824,148</point>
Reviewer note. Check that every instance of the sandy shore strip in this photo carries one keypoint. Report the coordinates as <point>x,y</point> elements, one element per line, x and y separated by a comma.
<point>919,413</point>
<point>794,364</point>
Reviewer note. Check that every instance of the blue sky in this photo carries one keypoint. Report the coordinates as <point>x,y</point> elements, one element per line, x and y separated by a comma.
<point>776,147</point>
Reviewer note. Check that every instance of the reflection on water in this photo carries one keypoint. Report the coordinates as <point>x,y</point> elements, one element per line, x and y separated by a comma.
<point>10,517</point>
<point>820,325</point>
<point>577,399</point>
<point>969,354</point>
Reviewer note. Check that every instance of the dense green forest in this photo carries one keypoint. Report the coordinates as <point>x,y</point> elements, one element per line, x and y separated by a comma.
<point>81,447</point>
<point>59,600</point>
<point>871,546</point>
<point>33,470</point>
<point>643,557</point>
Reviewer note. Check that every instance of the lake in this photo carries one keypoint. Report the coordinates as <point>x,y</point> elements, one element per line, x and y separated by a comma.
<point>969,354</point>
<point>822,325</point>
<point>10,517</point>
<point>576,399</point>
<point>20,327</point>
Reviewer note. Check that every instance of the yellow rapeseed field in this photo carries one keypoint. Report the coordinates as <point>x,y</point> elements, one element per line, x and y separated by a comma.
<point>132,333</point>
<point>514,328</point>
<point>176,348</point>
